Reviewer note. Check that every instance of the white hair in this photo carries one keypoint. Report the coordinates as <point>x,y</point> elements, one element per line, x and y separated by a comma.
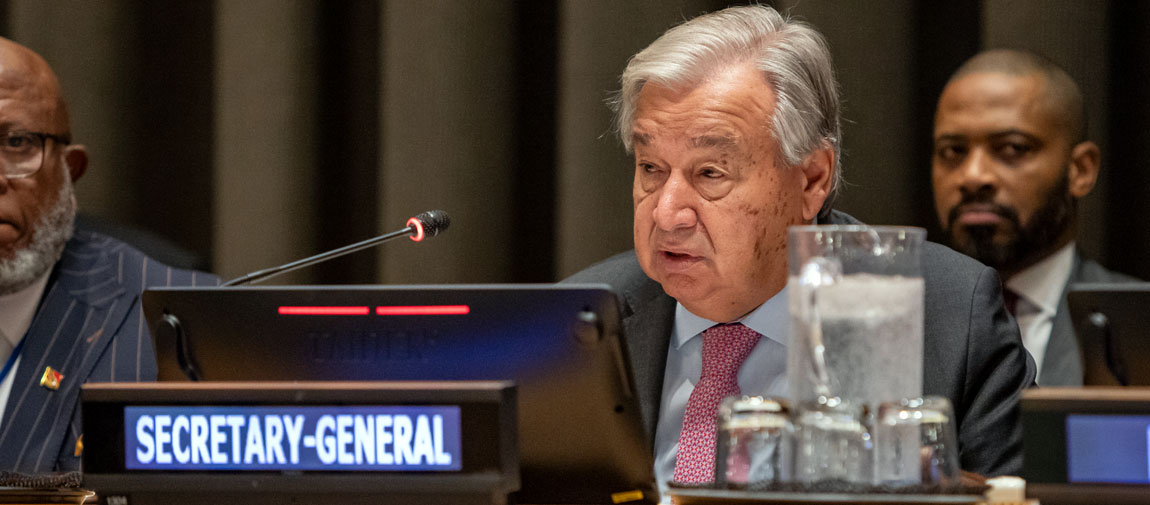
<point>49,236</point>
<point>792,55</point>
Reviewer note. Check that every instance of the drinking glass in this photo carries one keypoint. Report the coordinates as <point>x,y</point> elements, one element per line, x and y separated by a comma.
<point>755,441</point>
<point>915,443</point>
<point>832,442</point>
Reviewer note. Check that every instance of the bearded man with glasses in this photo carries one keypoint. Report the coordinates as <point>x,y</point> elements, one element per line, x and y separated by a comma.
<point>69,300</point>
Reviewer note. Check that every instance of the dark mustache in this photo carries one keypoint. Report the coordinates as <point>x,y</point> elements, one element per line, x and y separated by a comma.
<point>1008,213</point>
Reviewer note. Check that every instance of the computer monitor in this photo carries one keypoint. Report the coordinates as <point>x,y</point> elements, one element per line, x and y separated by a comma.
<point>1110,321</point>
<point>1086,445</point>
<point>581,436</point>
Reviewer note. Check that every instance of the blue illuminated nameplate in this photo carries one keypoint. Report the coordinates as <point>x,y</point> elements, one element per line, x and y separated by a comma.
<point>358,438</point>
<point>1108,448</point>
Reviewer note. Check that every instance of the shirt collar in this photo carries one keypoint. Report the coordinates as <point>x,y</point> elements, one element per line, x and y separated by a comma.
<point>18,309</point>
<point>771,319</point>
<point>1042,284</point>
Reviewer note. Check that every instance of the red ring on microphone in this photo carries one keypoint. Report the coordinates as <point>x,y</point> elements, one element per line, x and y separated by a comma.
<point>418,229</point>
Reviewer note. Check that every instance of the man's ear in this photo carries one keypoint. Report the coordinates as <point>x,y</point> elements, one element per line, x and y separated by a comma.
<point>76,159</point>
<point>818,173</point>
<point>1085,160</point>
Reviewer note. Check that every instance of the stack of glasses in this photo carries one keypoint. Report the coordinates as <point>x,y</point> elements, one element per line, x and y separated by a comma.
<point>835,445</point>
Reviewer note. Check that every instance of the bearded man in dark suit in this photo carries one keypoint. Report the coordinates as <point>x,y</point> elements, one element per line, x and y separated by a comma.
<point>1012,158</point>
<point>733,119</point>
<point>69,301</point>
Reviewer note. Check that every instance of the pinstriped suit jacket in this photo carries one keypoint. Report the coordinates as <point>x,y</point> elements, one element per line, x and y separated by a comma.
<point>89,327</point>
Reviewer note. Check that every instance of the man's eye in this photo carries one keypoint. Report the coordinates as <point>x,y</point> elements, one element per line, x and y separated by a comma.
<point>16,141</point>
<point>1011,151</point>
<point>950,152</point>
<point>710,173</point>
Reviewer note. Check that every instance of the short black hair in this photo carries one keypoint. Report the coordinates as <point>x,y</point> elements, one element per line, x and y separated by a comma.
<point>1062,93</point>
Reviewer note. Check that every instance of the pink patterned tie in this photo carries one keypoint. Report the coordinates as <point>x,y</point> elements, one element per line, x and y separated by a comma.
<point>725,346</point>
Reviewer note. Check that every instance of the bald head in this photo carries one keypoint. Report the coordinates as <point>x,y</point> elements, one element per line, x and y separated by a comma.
<point>1010,159</point>
<point>26,77</point>
<point>37,207</point>
<point>1062,96</point>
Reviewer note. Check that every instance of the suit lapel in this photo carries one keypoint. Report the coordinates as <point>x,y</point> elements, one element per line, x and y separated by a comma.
<point>81,310</point>
<point>1062,365</point>
<point>647,322</point>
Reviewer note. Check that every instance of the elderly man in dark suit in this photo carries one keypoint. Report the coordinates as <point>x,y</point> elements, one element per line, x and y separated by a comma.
<point>1011,160</point>
<point>733,118</point>
<point>69,302</point>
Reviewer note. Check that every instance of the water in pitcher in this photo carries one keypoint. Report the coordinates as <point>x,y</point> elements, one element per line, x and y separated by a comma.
<point>872,333</point>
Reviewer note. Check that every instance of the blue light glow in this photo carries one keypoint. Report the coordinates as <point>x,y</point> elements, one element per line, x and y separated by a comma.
<point>336,438</point>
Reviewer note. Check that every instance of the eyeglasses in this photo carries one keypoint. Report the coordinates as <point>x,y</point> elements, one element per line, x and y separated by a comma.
<point>22,153</point>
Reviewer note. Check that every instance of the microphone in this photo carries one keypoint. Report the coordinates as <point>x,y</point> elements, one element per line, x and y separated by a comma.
<point>427,224</point>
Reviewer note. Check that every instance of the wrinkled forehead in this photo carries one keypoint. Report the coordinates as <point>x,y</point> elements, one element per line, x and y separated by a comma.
<point>29,93</point>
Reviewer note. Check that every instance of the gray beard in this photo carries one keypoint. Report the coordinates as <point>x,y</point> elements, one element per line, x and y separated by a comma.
<point>49,237</point>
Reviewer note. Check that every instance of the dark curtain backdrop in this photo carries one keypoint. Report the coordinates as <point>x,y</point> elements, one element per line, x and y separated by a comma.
<point>253,133</point>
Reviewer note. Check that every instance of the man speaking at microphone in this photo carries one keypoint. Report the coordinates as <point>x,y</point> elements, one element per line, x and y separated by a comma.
<point>69,301</point>
<point>733,119</point>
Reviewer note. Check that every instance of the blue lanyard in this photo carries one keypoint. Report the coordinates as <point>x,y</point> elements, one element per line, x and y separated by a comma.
<point>12,360</point>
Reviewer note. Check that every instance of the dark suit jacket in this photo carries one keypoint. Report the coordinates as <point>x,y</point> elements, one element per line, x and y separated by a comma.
<point>973,354</point>
<point>1062,365</point>
<point>88,327</point>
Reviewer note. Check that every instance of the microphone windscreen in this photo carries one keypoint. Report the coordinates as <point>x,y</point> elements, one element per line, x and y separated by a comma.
<point>434,222</point>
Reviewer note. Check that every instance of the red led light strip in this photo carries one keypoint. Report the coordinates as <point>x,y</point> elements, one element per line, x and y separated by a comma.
<point>324,311</point>
<point>422,310</point>
<point>383,310</point>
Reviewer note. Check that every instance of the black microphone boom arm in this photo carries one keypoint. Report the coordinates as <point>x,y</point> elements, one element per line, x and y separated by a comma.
<point>431,222</point>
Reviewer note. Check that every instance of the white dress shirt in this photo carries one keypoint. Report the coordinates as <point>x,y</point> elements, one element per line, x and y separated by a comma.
<point>764,372</point>
<point>16,313</point>
<point>1039,289</point>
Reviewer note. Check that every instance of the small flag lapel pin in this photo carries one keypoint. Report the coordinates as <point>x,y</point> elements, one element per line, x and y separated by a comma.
<point>51,378</point>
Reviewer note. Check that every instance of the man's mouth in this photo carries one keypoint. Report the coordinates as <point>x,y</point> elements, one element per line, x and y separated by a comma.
<point>979,215</point>
<point>8,231</point>
<point>674,261</point>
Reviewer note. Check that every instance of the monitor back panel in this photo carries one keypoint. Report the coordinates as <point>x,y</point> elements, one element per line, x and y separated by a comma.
<point>561,345</point>
<point>1111,322</point>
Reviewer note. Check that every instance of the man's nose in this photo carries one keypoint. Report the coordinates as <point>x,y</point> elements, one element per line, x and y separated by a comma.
<point>675,207</point>
<point>978,173</point>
